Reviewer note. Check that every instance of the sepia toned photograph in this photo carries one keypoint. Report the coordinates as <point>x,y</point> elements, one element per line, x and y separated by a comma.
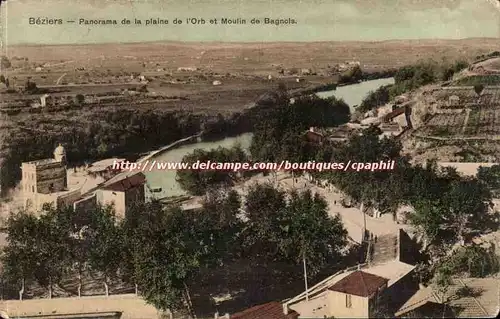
<point>249,159</point>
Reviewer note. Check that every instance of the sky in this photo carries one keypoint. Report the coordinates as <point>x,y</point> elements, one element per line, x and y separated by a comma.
<point>317,20</point>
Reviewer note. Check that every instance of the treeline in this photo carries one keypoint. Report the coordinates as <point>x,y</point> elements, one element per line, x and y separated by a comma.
<point>409,78</point>
<point>162,250</point>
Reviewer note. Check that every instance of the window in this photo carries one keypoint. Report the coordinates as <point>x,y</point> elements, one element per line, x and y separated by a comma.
<point>33,189</point>
<point>348,303</point>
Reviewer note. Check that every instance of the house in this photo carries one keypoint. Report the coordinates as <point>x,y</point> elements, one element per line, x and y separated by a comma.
<point>391,129</point>
<point>216,82</point>
<point>453,100</point>
<point>381,285</point>
<point>104,168</point>
<point>464,298</point>
<point>313,136</point>
<point>271,310</point>
<point>123,191</point>
<point>401,115</point>
<point>356,295</point>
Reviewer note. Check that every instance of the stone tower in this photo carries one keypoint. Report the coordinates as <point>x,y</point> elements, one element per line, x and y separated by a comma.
<point>60,154</point>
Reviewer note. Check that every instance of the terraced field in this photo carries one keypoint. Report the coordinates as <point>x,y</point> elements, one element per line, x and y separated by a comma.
<point>443,125</point>
<point>483,122</point>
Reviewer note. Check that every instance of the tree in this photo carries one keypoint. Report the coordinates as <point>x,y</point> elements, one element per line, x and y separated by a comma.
<point>53,246</point>
<point>105,243</point>
<point>474,261</point>
<point>198,181</point>
<point>309,234</point>
<point>80,98</point>
<point>442,281</point>
<point>4,62</point>
<point>375,98</point>
<point>221,224</point>
<point>171,253</point>
<point>280,125</point>
<point>490,176</point>
<point>466,203</point>
<point>291,230</point>
<point>383,190</point>
<point>30,87</point>
<point>19,257</point>
<point>478,88</point>
<point>264,211</point>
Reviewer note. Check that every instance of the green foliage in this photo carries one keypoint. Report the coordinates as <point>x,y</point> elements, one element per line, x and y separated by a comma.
<point>491,177</point>
<point>478,80</point>
<point>30,87</point>
<point>376,98</point>
<point>171,252</point>
<point>198,181</point>
<point>475,261</point>
<point>105,242</point>
<point>478,88</point>
<point>80,98</point>
<point>381,189</point>
<point>425,72</point>
<point>38,248</point>
<point>353,75</point>
<point>447,206</point>
<point>293,229</point>
<point>308,232</point>
<point>280,126</point>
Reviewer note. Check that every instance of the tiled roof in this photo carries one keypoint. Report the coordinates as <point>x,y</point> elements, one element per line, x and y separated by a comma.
<point>126,183</point>
<point>394,113</point>
<point>482,300</point>
<point>271,310</point>
<point>359,283</point>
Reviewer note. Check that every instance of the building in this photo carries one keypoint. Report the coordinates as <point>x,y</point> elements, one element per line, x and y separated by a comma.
<point>45,181</point>
<point>313,136</point>
<point>123,191</point>
<point>379,286</point>
<point>464,298</point>
<point>271,310</point>
<point>104,168</point>
<point>355,295</point>
<point>453,101</point>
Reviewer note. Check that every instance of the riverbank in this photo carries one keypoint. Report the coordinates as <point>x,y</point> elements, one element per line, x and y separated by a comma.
<point>184,141</point>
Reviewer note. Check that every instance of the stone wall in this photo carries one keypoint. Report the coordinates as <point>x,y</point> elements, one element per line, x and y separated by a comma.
<point>51,178</point>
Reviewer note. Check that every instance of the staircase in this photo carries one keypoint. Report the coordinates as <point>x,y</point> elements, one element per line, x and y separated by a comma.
<point>384,248</point>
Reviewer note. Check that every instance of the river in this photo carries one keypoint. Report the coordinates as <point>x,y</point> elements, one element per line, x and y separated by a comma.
<point>355,93</point>
<point>352,94</point>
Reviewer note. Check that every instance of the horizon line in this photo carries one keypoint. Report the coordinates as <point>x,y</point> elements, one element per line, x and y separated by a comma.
<point>26,44</point>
